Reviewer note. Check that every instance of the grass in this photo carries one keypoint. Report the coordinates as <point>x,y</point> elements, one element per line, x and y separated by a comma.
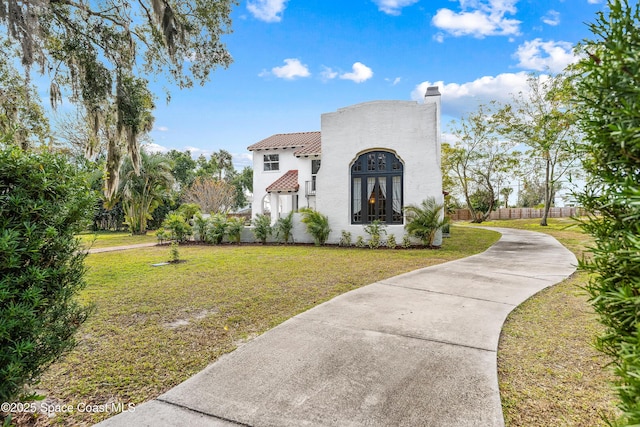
<point>154,327</point>
<point>549,372</point>
<point>104,239</point>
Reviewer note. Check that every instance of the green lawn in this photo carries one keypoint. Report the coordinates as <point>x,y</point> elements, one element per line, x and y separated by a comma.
<point>549,372</point>
<point>104,239</point>
<point>154,327</point>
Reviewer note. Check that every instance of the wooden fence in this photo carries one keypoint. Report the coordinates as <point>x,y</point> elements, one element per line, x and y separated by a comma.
<point>519,213</point>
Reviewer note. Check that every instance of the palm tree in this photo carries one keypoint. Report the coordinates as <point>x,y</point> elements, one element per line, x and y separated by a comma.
<point>317,225</point>
<point>425,220</point>
<point>142,193</point>
<point>506,192</point>
<point>223,162</point>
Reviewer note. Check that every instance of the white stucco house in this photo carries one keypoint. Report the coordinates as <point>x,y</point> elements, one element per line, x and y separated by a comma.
<point>366,163</point>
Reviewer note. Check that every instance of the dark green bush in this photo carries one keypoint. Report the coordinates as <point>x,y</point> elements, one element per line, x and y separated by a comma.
<point>44,202</point>
<point>608,92</point>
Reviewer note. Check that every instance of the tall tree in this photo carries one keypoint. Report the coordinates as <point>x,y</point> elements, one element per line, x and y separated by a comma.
<point>73,135</point>
<point>21,115</point>
<point>506,192</point>
<point>480,162</point>
<point>543,120</point>
<point>103,51</point>
<point>184,167</point>
<point>212,195</point>
<point>223,162</point>
<point>205,168</point>
<point>608,88</point>
<point>531,195</point>
<point>243,181</point>
<point>141,193</point>
<point>449,181</point>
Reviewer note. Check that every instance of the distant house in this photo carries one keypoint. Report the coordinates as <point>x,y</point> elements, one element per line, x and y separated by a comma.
<point>367,163</point>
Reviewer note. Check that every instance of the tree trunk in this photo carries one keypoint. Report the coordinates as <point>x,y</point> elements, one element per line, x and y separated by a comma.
<point>547,195</point>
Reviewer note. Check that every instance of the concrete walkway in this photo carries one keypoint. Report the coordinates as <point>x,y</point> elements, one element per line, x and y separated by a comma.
<point>417,349</point>
<point>121,248</point>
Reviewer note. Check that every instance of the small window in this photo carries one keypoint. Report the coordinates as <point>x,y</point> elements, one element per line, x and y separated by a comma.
<point>315,166</point>
<point>371,162</point>
<point>271,162</point>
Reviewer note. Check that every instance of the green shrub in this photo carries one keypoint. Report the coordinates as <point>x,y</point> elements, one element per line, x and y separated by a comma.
<point>425,220</point>
<point>360,242</point>
<point>317,225</point>
<point>376,229</point>
<point>44,202</point>
<point>188,210</point>
<point>406,241</point>
<point>262,227</point>
<point>162,235</point>
<point>609,111</point>
<point>283,227</point>
<point>234,229</point>
<point>391,241</point>
<point>200,227</point>
<point>345,238</point>
<point>217,228</point>
<point>177,227</point>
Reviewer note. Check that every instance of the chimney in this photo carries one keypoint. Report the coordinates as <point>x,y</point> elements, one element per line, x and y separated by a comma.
<point>432,96</point>
<point>432,91</point>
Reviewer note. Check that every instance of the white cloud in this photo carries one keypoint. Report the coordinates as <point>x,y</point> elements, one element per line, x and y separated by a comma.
<point>459,99</point>
<point>240,160</point>
<point>551,18</point>
<point>479,18</point>
<point>540,56</point>
<point>393,7</point>
<point>594,1</point>
<point>162,129</point>
<point>359,74</point>
<point>292,69</point>
<point>267,10</point>
<point>152,147</point>
<point>328,73</point>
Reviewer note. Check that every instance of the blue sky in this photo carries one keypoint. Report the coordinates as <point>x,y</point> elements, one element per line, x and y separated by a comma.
<point>295,59</point>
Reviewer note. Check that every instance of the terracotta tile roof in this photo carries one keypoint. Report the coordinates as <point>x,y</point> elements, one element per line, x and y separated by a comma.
<point>287,183</point>
<point>313,148</point>
<point>286,140</point>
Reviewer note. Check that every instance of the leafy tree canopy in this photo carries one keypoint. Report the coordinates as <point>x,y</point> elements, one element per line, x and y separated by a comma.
<point>543,119</point>
<point>20,113</point>
<point>104,51</point>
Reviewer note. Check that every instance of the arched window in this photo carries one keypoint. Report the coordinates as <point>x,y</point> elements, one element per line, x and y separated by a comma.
<point>376,188</point>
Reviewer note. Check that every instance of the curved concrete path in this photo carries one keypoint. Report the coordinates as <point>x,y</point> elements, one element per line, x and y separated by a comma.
<point>121,248</point>
<point>417,349</point>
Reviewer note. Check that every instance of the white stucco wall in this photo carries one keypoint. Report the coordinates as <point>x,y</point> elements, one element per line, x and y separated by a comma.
<point>262,179</point>
<point>409,129</point>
